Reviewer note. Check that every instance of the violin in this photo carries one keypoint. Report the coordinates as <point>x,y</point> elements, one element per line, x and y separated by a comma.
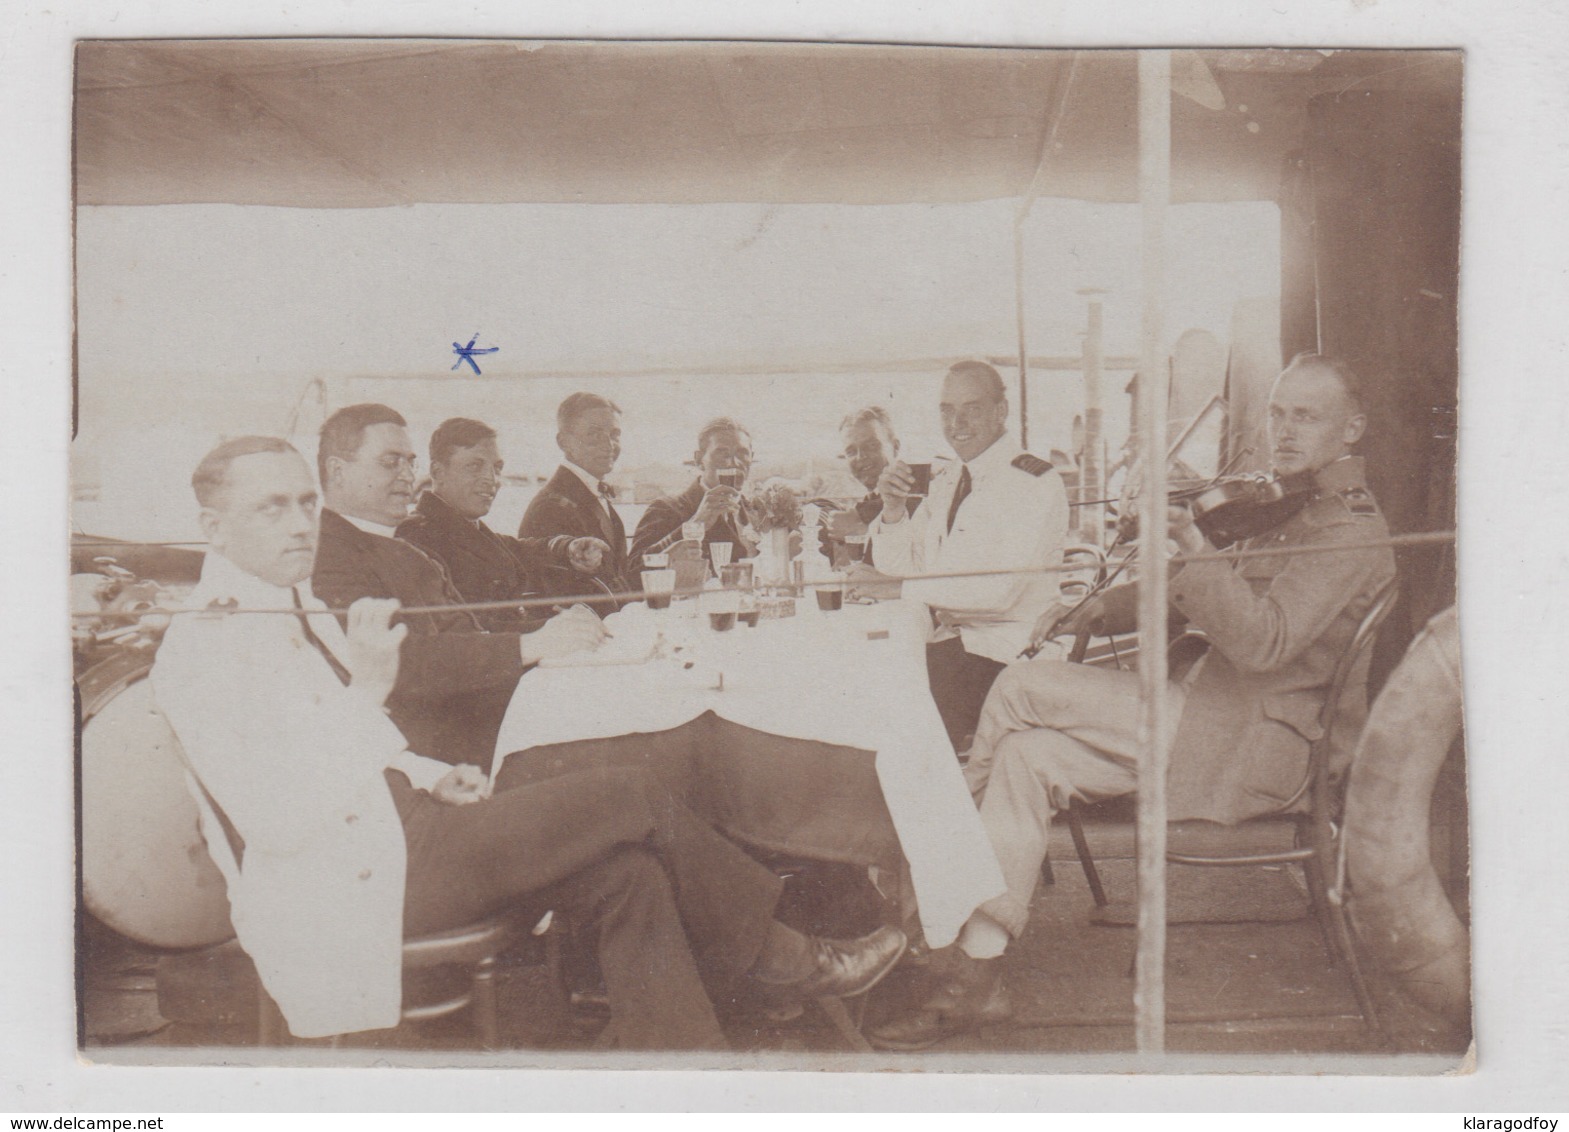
<point>1242,507</point>
<point>1235,508</point>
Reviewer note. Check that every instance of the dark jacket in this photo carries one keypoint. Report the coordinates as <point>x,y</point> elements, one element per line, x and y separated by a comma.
<point>867,508</point>
<point>660,526</point>
<point>455,680</point>
<point>566,507</point>
<point>483,565</point>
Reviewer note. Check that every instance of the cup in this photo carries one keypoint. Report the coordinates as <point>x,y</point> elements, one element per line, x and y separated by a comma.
<point>830,595</point>
<point>693,531</point>
<point>719,553</point>
<point>922,475</point>
<point>736,575</point>
<point>658,585</point>
<point>729,477</point>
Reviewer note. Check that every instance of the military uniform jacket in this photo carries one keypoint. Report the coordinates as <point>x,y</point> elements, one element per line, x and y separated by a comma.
<point>1015,518</point>
<point>483,565</point>
<point>455,680</point>
<point>566,506</point>
<point>297,762</point>
<point>1277,627</point>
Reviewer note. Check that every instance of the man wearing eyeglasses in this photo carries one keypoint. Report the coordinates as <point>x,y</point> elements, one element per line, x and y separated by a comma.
<point>455,679</point>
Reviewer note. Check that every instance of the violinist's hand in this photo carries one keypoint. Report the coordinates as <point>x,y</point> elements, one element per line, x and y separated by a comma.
<point>1056,622</point>
<point>587,554</point>
<point>463,785</point>
<point>374,644</point>
<point>895,485</point>
<point>1182,530</point>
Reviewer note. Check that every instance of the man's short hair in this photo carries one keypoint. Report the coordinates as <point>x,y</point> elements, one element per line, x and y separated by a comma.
<point>873,415</point>
<point>993,379</point>
<point>344,432</point>
<point>459,432</point>
<point>577,404</point>
<point>720,424</point>
<point>212,474</point>
<point>1335,367</point>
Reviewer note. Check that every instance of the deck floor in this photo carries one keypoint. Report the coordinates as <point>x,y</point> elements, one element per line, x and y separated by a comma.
<point>1257,982</point>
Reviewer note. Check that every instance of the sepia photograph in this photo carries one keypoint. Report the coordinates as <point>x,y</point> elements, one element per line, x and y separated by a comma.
<point>767,555</point>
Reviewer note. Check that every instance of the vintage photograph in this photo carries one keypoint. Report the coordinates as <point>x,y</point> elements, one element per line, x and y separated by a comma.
<point>769,555</point>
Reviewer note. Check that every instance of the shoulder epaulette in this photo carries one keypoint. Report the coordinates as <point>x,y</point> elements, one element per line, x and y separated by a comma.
<point>1359,501</point>
<point>1027,462</point>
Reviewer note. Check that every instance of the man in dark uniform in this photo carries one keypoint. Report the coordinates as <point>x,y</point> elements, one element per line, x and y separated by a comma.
<point>577,502</point>
<point>484,566</point>
<point>724,453</point>
<point>1247,712</point>
<point>455,679</point>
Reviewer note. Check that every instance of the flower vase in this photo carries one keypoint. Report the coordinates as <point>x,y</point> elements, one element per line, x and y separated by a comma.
<point>777,568</point>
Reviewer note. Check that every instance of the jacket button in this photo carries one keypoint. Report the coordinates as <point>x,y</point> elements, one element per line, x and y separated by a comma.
<point>365,874</point>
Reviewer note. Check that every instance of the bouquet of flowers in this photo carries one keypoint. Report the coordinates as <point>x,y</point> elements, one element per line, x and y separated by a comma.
<point>775,508</point>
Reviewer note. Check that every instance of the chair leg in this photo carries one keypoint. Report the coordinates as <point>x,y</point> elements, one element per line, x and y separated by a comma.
<point>482,1002</point>
<point>1091,873</point>
<point>849,1029</point>
<point>1336,914</point>
<point>1048,874</point>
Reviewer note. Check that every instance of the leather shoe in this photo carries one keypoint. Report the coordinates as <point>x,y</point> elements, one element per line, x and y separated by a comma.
<point>846,968</point>
<point>969,995</point>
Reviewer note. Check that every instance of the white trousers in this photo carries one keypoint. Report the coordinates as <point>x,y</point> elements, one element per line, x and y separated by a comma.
<point>1050,732</point>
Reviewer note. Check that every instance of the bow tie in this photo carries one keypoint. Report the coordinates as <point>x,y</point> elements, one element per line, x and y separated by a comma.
<point>606,490</point>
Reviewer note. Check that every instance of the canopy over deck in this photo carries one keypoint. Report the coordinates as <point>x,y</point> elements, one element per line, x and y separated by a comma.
<point>375,123</point>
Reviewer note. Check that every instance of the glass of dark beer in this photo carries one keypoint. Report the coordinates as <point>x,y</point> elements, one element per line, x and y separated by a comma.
<point>658,585</point>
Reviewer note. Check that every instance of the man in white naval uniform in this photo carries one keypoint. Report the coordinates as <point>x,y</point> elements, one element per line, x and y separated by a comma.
<point>1000,508</point>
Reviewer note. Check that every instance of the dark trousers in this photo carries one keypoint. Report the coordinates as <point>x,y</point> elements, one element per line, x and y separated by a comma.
<point>613,850</point>
<point>960,681</point>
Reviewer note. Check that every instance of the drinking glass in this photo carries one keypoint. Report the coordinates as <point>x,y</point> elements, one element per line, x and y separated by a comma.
<point>658,585</point>
<point>720,553</point>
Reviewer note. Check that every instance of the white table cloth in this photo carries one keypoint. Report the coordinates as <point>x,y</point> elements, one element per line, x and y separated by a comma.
<point>853,678</point>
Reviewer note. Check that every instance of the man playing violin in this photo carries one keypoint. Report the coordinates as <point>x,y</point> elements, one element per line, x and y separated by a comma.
<point>1247,712</point>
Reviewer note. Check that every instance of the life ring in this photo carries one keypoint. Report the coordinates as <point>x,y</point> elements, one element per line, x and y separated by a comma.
<point>1402,916</point>
<point>145,871</point>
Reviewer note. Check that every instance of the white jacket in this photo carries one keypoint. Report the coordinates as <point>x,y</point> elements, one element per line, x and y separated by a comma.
<point>296,762</point>
<point>1015,518</point>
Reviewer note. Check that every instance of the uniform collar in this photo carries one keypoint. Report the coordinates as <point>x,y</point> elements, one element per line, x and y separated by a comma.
<point>1004,451</point>
<point>432,506</point>
<point>1340,474</point>
<point>222,581</point>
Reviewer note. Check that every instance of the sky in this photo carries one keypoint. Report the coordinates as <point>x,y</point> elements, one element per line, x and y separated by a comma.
<point>198,321</point>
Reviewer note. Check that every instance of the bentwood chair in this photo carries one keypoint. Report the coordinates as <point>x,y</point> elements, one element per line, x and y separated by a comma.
<point>1315,809</point>
<point>473,946</point>
<point>148,873</point>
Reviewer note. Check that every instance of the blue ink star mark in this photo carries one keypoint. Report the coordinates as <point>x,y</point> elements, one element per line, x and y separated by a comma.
<point>466,353</point>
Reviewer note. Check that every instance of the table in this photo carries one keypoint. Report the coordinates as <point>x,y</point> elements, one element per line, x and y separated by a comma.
<point>814,734</point>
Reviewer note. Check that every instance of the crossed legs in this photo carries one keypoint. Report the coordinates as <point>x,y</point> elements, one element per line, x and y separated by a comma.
<point>1050,732</point>
<point>667,895</point>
